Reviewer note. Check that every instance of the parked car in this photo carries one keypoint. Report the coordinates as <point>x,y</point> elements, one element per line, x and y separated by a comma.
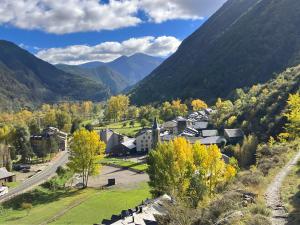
<point>18,167</point>
<point>3,190</point>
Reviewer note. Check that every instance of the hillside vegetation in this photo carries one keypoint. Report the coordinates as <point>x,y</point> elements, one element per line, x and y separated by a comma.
<point>27,80</point>
<point>261,109</point>
<point>242,44</point>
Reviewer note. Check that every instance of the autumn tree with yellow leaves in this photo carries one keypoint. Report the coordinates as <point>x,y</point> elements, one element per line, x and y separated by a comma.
<point>187,171</point>
<point>117,107</point>
<point>86,151</point>
<point>198,104</point>
<point>293,116</point>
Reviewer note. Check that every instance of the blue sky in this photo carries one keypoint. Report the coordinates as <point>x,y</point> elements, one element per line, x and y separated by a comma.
<point>40,39</point>
<point>78,31</point>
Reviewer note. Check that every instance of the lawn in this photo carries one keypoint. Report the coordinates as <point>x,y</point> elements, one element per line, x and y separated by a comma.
<point>125,130</point>
<point>103,204</point>
<point>290,193</point>
<point>142,167</point>
<point>96,205</point>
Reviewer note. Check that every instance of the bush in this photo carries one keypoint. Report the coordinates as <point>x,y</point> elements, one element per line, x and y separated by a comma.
<point>260,209</point>
<point>258,220</point>
<point>61,171</point>
<point>246,154</point>
<point>26,206</point>
<point>250,178</point>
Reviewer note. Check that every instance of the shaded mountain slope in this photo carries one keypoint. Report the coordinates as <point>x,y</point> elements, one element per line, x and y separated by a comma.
<point>28,79</point>
<point>243,43</point>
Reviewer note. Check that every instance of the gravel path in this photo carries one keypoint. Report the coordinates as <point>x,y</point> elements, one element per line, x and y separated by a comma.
<point>272,195</point>
<point>124,178</point>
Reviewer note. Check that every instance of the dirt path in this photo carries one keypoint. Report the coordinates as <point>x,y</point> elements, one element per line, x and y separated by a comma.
<point>272,195</point>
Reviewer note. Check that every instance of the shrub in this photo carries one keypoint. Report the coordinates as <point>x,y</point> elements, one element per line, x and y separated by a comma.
<point>258,220</point>
<point>27,207</point>
<point>250,178</point>
<point>246,153</point>
<point>260,209</point>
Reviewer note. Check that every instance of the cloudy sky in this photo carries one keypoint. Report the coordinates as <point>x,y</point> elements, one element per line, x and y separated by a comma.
<point>78,31</point>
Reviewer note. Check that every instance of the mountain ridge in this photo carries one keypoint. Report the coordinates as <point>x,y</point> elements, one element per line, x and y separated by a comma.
<point>28,80</point>
<point>226,53</point>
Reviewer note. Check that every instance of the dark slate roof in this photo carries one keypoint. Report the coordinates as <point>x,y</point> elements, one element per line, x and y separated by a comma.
<point>210,133</point>
<point>213,140</point>
<point>232,133</point>
<point>200,125</point>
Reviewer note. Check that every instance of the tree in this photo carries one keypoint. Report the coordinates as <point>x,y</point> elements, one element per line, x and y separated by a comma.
<point>173,109</point>
<point>246,154</point>
<point>117,107</point>
<point>22,143</point>
<point>293,115</point>
<point>75,125</point>
<point>86,108</point>
<point>198,104</point>
<point>86,151</point>
<point>131,123</point>
<point>133,112</point>
<point>63,121</point>
<point>187,171</point>
<point>34,127</point>
<point>89,127</point>
<point>50,118</point>
<point>144,122</point>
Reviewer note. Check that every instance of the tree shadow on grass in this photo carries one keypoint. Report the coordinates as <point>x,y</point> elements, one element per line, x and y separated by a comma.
<point>38,196</point>
<point>294,216</point>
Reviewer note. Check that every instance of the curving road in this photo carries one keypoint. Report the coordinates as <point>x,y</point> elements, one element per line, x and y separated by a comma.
<point>38,178</point>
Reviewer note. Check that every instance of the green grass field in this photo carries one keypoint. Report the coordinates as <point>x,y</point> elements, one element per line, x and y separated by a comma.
<point>103,204</point>
<point>126,130</point>
<point>125,163</point>
<point>86,206</point>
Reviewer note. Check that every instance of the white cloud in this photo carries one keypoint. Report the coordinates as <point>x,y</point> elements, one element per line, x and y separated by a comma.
<point>108,51</point>
<point>69,16</point>
<point>162,10</point>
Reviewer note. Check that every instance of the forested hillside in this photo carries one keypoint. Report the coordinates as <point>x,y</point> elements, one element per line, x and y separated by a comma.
<point>243,43</point>
<point>27,80</point>
<point>109,78</point>
<point>261,109</point>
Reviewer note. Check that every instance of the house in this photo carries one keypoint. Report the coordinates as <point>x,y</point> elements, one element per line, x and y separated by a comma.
<point>144,141</point>
<point>170,126</point>
<point>113,140</point>
<point>125,148</point>
<point>234,136</point>
<point>60,136</point>
<point>209,133</point>
<point>6,176</point>
<point>215,140</point>
<point>200,125</point>
<point>37,141</point>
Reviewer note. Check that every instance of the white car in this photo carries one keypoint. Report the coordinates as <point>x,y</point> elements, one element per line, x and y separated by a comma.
<point>3,190</point>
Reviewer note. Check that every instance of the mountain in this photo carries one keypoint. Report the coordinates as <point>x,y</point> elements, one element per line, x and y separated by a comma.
<point>28,80</point>
<point>91,65</point>
<point>109,78</point>
<point>245,42</point>
<point>135,67</point>
<point>261,109</point>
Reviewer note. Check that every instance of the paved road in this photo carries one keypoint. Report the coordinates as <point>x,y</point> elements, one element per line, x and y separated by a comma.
<point>273,198</point>
<point>38,178</point>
